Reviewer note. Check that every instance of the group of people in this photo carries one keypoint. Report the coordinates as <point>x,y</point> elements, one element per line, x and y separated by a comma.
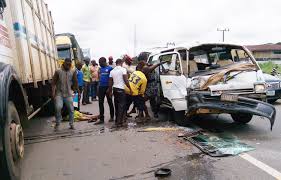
<point>128,85</point>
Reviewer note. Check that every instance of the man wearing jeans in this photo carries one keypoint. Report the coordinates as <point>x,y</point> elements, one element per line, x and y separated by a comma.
<point>87,81</point>
<point>104,72</point>
<point>118,80</point>
<point>95,79</point>
<point>63,85</point>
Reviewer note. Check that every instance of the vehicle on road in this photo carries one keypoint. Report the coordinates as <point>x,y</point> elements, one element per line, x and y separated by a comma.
<point>28,60</point>
<point>212,79</point>
<point>68,47</point>
<point>273,88</point>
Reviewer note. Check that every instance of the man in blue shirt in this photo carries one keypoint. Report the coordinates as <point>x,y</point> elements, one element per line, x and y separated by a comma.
<point>104,72</point>
<point>80,82</point>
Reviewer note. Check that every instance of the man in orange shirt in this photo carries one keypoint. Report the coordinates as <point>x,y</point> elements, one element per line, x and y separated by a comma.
<point>94,68</point>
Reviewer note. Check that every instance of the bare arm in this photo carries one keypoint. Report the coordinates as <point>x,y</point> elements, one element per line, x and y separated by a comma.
<point>75,82</point>
<point>149,69</point>
<point>125,78</point>
<point>110,84</point>
<point>54,83</point>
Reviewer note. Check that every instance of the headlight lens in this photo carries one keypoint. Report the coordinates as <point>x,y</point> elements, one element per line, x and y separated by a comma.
<point>260,88</point>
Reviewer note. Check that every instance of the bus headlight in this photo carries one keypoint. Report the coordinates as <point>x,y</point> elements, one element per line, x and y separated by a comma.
<point>260,88</point>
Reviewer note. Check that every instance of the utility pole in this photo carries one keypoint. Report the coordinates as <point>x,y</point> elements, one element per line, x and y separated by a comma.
<point>223,30</point>
<point>135,39</point>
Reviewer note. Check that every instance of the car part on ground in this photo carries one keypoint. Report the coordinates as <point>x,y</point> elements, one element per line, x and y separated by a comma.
<point>220,145</point>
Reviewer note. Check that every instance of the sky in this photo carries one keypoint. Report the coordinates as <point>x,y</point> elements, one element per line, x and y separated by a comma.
<point>107,27</point>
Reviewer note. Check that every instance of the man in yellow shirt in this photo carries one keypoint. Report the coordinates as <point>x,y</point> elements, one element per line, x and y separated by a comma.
<point>87,80</point>
<point>138,84</point>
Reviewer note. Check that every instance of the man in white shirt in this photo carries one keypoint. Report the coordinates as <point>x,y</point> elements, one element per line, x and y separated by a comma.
<point>118,79</point>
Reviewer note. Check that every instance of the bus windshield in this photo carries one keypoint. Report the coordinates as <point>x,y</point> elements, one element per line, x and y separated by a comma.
<point>64,53</point>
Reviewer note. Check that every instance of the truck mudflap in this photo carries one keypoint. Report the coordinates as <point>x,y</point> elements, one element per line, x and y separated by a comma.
<point>204,100</point>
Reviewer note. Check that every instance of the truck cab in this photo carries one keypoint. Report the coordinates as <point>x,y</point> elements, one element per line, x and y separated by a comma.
<point>68,47</point>
<point>212,78</point>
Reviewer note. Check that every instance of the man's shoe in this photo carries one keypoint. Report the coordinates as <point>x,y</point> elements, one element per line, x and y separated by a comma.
<point>72,127</point>
<point>84,103</point>
<point>99,122</point>
<point>156,115</point>
<point>111,120</point>
<point>56,128</point>
<point>94,99</point>
<point>89,102</point>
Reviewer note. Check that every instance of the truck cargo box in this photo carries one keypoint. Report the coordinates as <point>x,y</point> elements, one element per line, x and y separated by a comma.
<point>32,49</point>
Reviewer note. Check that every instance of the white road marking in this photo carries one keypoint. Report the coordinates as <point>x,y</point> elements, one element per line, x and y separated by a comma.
<point>273,172</point>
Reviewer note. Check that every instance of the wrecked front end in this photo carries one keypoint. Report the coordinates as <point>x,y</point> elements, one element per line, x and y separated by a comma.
<point>202,102</point>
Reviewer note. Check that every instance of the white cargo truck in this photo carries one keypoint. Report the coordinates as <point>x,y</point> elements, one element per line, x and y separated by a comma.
<point>28,60</point>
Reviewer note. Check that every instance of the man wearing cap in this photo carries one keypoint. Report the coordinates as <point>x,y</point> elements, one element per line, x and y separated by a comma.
<point>63,85</point>
<point>87,80</point>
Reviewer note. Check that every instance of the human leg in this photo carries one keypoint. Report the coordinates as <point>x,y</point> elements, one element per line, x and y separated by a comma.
<point>69,105</point>
<point>110,104</point>
<point>85,99</point>
<point>58,106</point>
<point>102,92</point>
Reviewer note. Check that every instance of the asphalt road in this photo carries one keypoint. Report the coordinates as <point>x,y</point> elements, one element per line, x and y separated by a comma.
<point>89,153</point>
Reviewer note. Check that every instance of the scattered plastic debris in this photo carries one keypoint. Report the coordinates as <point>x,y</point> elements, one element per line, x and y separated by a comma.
<point>163,172</point>
<point>161,129</point>
<point>132,125</point>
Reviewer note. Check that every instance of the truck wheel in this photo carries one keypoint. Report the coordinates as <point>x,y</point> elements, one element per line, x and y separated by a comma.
<point>13,141</point>
<point>180,118</point>
<point>242,118</point>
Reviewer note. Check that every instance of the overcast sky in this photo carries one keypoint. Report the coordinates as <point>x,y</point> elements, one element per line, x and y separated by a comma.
<point>107,26</point>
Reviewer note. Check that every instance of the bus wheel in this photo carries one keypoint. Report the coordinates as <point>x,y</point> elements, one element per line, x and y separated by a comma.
<point>13,141</point>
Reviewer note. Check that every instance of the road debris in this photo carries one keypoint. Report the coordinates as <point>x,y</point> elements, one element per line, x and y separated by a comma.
<point>163,172</point>
<point>219,146</point>
<point>159,129</point>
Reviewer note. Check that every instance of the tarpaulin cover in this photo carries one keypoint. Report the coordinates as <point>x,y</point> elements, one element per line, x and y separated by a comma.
<point>222,145</point>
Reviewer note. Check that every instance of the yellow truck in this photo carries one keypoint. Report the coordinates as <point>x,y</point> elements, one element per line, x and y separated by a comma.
<point>68,47</point>
<point>28,60</point>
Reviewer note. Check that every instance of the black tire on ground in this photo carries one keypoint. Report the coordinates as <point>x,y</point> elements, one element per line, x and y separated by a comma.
<point>242,118</point>
<point>10,168</point>
<point>271,101</point>
<point>180,118</point>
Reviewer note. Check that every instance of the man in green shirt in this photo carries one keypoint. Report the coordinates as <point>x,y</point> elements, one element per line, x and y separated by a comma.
<point>87,80</point>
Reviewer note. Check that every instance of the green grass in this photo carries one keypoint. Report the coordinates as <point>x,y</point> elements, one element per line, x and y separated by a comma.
<point>268,66</point>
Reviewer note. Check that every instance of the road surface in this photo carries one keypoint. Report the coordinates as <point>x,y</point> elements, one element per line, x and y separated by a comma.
<point>91,153</point>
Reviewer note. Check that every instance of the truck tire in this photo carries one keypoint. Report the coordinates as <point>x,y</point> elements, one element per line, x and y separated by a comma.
<point>180,118</point>
<point>13,143</point>
<point>242,118</point>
